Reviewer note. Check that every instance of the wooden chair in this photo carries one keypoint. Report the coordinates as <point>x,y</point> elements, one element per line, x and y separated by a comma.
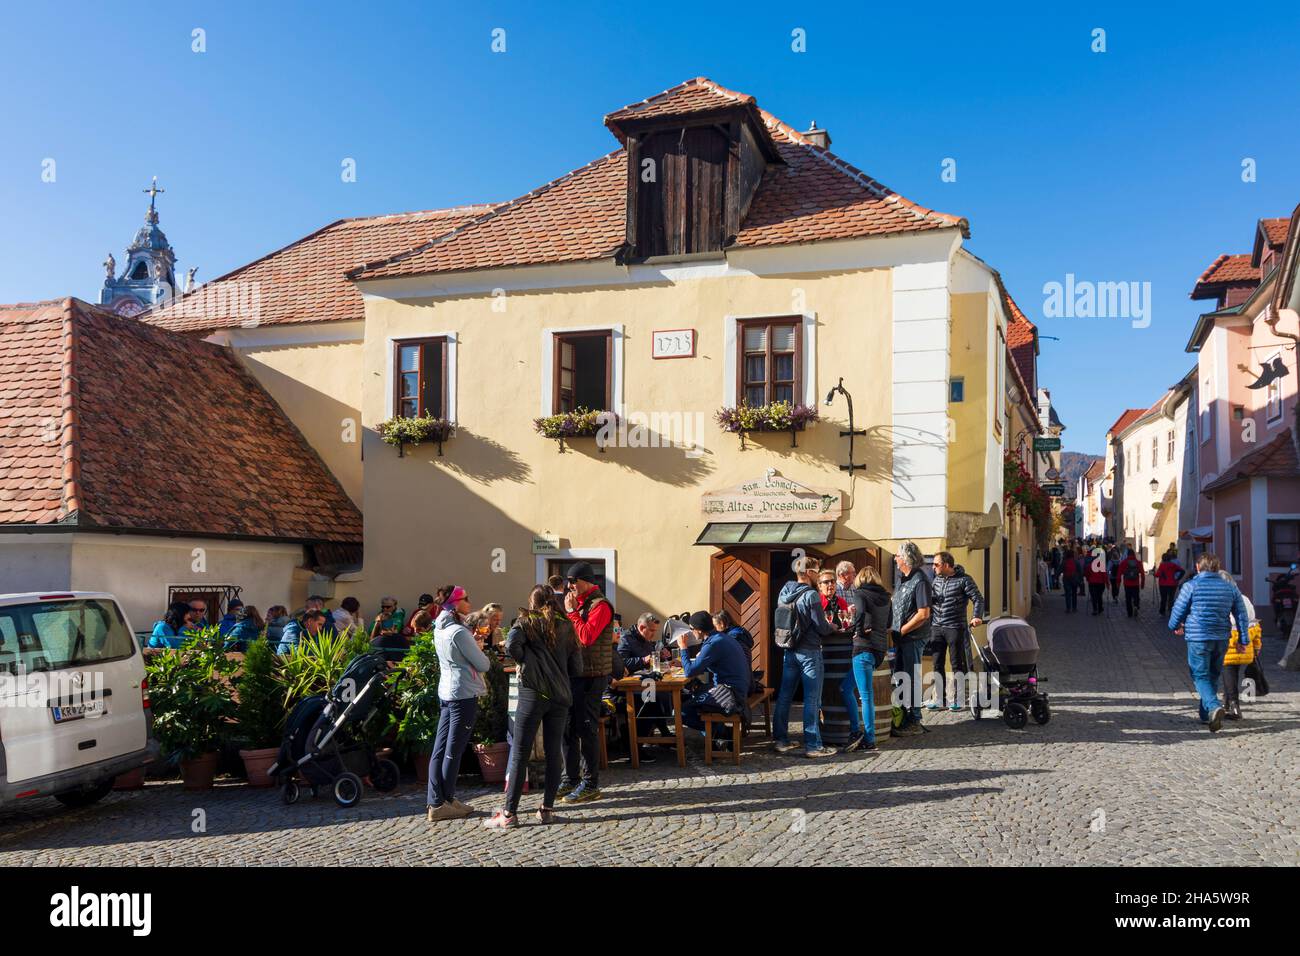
<point>732,720</point>
<point>762,696</point>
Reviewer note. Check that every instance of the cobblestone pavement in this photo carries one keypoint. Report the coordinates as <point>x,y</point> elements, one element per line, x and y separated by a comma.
<point>1124,741</point>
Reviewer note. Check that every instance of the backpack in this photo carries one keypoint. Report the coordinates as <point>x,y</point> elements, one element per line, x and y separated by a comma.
<point>1071,568</point>
<point>789,628</point>
<point>1130,570</point>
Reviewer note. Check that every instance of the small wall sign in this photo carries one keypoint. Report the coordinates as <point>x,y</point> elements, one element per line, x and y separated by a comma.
<point>673,343</point>
<point>546,543</point>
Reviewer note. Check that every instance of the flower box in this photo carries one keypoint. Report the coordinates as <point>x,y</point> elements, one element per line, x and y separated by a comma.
<point>579,423</point>
<point>773,417</point>
<point>401,431</point>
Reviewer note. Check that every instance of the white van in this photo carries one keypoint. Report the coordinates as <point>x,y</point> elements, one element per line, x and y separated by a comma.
<point>74,709</point>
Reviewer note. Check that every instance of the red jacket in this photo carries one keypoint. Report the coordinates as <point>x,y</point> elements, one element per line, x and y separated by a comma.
<point>1168,573</point>
<point>1126,566</point>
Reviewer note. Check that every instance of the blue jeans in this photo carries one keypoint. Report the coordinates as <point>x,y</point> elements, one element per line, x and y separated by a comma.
<point>1205,661</point>
<point>455,721</point>
<point>907,661</point>
<point>808,667</point>
<point>864,662</point>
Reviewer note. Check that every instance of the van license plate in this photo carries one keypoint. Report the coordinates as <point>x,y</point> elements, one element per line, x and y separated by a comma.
<point>93,708</point>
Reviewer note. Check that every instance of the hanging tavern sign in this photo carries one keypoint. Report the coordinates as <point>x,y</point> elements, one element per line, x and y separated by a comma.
<point>773,498</point>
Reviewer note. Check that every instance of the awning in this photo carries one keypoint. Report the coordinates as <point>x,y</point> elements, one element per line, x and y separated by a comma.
<point>721,533</point>
<point>1204,533</point>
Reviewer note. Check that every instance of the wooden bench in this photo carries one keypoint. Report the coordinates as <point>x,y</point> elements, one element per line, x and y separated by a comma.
<point>732,720</point>
<point>764,697</point>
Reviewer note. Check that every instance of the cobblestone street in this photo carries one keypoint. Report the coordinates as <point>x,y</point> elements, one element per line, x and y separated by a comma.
<point>1124,740</point>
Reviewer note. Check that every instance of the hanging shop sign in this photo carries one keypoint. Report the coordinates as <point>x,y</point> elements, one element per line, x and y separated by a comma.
<point>773,498</point>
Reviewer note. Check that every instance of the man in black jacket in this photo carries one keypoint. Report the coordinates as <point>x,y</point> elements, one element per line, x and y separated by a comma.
<point>950,593</point>
<point>636,649</point>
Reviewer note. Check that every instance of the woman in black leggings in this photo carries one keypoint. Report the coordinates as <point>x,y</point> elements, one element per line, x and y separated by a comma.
<point>543,643</point>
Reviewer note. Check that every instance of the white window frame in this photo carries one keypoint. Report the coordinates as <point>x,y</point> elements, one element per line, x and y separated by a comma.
<point>731,323</point>
<point>615,374</point>
<point>583,554</point>
<point>390,383</point>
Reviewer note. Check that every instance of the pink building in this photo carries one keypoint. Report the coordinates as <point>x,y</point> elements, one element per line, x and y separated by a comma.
<point>1242,428</point>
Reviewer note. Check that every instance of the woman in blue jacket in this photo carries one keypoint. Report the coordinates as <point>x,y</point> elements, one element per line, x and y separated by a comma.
<point>170,631</point>
<point>1201,615</point>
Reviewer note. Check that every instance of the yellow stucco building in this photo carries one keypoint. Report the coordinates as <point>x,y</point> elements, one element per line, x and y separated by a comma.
<point>717,258</point>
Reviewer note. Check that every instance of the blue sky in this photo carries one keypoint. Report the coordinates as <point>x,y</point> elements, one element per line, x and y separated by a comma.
<point>1115,166</point>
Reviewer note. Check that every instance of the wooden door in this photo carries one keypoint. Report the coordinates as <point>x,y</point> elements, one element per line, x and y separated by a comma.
<point>738,585</point>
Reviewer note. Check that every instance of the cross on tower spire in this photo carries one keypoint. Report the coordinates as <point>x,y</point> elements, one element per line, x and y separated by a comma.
<point>153,192</point>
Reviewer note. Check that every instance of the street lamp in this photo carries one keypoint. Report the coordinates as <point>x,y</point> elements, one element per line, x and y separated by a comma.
<point>830,398</point>
<point>1155,486</point>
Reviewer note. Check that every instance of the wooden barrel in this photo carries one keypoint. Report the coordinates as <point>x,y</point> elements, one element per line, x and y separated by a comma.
<point>837,655</point>
<point>882,690</point>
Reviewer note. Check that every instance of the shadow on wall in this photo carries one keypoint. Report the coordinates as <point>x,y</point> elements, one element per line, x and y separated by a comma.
<point>491,461</point>
<point>822,445</point>
<point>659,460</point>
<point>321,419</point>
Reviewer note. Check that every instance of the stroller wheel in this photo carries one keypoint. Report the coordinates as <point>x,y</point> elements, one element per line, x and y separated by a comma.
<point>1042,711</point>
<point>347,790</point>
<point>1015,715</point>
<point>289,793</point>
<point>385,776</point>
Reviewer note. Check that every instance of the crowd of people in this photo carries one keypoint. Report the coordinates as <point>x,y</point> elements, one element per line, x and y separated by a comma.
<point>1207,609</point>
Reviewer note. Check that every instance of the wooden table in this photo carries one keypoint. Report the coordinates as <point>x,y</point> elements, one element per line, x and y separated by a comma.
<point>671,683</point>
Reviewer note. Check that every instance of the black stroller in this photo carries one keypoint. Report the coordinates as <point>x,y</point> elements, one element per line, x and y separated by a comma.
<point>323,741</point>
<point>1012,656</point>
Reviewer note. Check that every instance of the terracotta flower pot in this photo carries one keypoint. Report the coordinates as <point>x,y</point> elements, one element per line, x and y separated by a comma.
<point>131,780</point>
<point>199,773</point>
<point>257,763</point>
<point>492,761</point>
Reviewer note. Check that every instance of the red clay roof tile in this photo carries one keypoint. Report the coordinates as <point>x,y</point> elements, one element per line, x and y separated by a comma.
<point>117,424</point>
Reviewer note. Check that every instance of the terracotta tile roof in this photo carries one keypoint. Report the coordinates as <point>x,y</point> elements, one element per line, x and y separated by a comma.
<point>1125,420</point>
<point>1021,340</point>
<point>1095,470</point>
<point>1275,230</point>
<point>1277,459</point>
<point>815,196</point>
<point>306,280</point>
<point>699,95</point>
<point>115,425</point>
<point>1225,270</point>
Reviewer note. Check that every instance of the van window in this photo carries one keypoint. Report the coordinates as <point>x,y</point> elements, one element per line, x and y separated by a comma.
<point>51,635</point>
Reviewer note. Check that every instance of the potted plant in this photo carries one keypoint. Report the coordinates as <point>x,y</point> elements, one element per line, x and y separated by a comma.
<point>579,423</point>
<point>402,431</point>
<point>190,694</point>
<point>414,685</point>
<point>316,663</point>
<point>489,734</point>
<point>260,712</point>
<point>773,417</point>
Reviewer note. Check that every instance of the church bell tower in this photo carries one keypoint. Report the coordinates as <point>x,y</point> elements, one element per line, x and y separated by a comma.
<point>150,274</point>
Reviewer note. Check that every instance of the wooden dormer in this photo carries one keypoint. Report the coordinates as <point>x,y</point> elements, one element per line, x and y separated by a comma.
<point>696,156</point>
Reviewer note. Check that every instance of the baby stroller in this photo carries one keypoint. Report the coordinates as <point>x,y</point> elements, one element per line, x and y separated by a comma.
<point>323,741</point>
<point>1012,656</point>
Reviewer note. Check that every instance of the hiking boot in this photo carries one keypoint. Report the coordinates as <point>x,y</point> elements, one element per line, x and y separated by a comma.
<point>821,752</point>
<point>1234,711</point>
<point>909,730</point>
<point>785,746</point>
<point>566,788</point>
<point>869,749</point>
<point>855,742</point>
<point>583,793</point>
<point>500,820</point>
<point>546,815</point>
<point>1216,720</point>
<point>444,811</point>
